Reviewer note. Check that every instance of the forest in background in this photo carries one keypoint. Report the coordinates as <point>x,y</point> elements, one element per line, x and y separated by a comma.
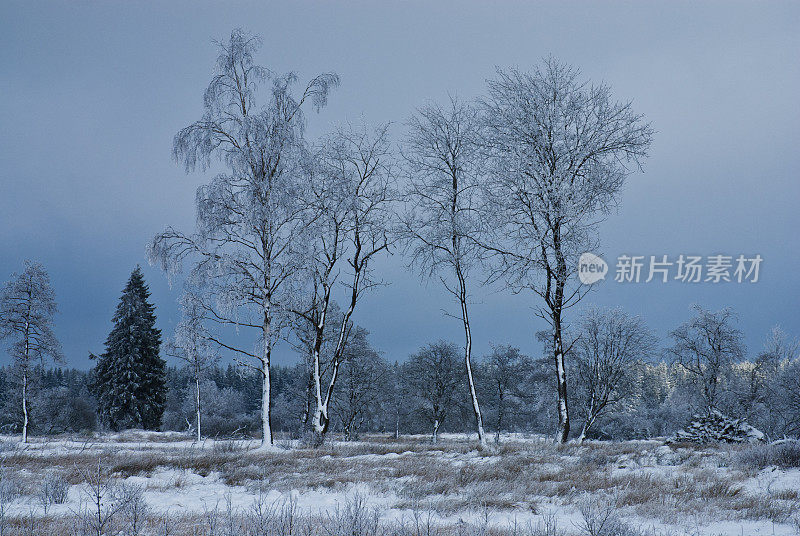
<point>655,399</point>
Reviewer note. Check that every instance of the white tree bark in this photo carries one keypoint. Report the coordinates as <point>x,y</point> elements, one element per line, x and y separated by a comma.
<point>25,375</point>
<point>266,426</point>
<point>563,411</point>
<point>266,401</point>
<point>197,403</point>
<point>25,407</point>
<point>584,429</point>
<point>468,362</point>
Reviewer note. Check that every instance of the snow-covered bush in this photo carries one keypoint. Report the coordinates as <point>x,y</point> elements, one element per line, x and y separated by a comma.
<point>717,427</point>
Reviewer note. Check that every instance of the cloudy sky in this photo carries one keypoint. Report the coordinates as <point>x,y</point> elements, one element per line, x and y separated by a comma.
<point>91,94</point>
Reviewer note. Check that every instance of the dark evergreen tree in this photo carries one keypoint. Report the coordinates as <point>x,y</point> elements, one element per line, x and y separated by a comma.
<point>130,377</point>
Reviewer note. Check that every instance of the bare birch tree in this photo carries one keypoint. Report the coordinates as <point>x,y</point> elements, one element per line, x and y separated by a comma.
<point>441,224</point>
<point>430,377</point>
<point>777,382</point>
<point>609,342</point>
<point>705,347</point>
<point>506,373</point>
<point>364,375</point>
<point>249,218</point>
<point>192,345</point>
<point>27,307</point>
<point>559,150</point>
<point>304,328</point>
<point>348,199</point>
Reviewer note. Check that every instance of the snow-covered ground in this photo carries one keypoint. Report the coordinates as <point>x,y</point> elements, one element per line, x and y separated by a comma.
<point>651,487</point>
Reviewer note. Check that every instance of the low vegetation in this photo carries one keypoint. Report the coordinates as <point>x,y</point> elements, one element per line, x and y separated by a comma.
<point>394,486</point>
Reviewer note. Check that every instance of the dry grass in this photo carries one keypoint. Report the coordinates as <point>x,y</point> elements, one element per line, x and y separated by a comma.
<point>247,523</point>
<point>646,478</point>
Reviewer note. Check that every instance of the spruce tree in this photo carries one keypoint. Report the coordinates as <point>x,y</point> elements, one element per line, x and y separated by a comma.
<point>130,376</point>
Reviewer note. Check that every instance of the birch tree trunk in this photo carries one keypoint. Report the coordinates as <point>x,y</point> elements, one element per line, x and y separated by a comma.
<point>192,344</point>
<point>557,307</point>
<point>320,420</point>
<point>27,356</point>
<point>266,434</point>
<point>197,402</point>
<point>266,395</point>
<point>321,417</point>
<point>584,430</point>
<point>468,358</point>
<point>25,407</point>
<point>266,407</point>
<point>561,377</point>
<point>499,424</point>
<point>563,410</point>
<point>349,201</point>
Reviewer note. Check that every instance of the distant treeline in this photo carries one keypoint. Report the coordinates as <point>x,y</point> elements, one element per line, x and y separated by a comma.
<point>657,401</point>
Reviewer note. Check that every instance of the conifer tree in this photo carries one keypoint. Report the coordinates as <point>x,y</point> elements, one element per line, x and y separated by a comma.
<point>130,376</point>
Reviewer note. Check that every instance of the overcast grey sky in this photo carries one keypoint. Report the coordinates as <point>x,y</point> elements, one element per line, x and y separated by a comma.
<point>92,93</point>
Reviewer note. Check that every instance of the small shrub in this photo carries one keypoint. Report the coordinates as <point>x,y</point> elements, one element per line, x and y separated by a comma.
<point>10,485</point>
<point>228,446</point>
<point>782,454</point>
<point>547,526</point>
<point>135,464</point>
<point>593,458</point>
<point>133,508</point>
<point>355,518</point>
<point>601,519</point>
<point>53,490</point>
